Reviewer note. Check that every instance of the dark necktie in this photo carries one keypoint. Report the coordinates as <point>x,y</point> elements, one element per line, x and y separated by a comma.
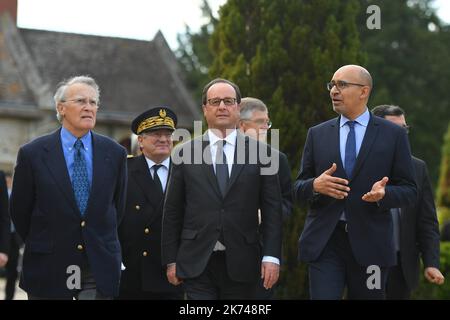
<point>350,149</point>
<point>221,167</point>
<point>80,181</point>
<point>156,177</point>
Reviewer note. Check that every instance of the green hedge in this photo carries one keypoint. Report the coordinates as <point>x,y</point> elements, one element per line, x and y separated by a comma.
<point>426,290</point>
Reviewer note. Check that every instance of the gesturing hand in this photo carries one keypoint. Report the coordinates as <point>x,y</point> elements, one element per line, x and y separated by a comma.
<point>378,191</point>
<point>331,186</point>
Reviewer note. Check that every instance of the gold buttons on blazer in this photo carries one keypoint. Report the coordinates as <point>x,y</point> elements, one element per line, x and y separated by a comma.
<point>83,223</point>
<point>146,230</point>
<point>80,247</point>
<point>138,207</point>
<point>145,253</point>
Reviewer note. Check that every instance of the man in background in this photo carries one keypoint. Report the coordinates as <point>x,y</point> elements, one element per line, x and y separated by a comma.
<point>144,277</point>
<point>416,228</point>
<point>254,121</point>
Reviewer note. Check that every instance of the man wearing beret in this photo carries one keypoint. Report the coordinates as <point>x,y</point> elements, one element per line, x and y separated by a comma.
<point>140,231</point>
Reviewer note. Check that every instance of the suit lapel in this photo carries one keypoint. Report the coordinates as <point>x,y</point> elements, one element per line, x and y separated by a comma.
<point>366,145</point>
<point>145,181</point>
<point>56,164</point>
<point>336,148</point>
<point>100,168</point>
<point>241,140</point>
<point>207,165</point>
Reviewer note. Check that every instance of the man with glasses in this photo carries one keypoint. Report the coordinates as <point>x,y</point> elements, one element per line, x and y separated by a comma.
<point>144,276</point>
<point>67,200</point>
<point>416,228</point>
<point>211,238</point>
<point>254,121</point>
<point>354,169</point>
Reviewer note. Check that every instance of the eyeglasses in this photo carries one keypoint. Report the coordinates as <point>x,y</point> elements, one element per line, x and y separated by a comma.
<point>159,135</point>
<point>260,122</point>
<point>82,102</point>
<point>341,84</point>
<point>215,102</point>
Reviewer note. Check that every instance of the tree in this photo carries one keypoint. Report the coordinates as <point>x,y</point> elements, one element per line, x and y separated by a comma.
<point>408,59</point>
<point>284,52</point>
<point>194,55</point>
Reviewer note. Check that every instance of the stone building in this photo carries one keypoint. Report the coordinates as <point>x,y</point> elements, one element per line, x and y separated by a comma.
<point>133,75</point>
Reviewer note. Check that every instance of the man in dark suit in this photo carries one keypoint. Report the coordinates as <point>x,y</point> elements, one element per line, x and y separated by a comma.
<point>254,121</point>
<point>210,238</point>
<point>4,221</point>
<point>416,227</point>
<point>67,200</point>
<point>144,276</point>
<point>354,169</point>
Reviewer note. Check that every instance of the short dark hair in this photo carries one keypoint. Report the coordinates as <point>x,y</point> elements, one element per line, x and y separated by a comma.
<point>220,80</point>
<point>387,110</point>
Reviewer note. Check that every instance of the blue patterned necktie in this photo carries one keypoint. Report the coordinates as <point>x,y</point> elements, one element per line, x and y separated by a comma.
<point>350,149</point>
<point>80,181</point>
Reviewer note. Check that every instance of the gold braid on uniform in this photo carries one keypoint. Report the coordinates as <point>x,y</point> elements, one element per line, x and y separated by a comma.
<point>155,121</point>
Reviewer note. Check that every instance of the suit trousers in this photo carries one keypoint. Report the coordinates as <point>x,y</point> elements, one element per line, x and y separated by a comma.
<point>12,265</point>
<point>396,287</point>
<point>337,269</point>
<point>88,289</point>
<point>215,284</point>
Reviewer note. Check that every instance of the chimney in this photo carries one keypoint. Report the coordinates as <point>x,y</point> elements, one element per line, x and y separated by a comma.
<point>9,6</point>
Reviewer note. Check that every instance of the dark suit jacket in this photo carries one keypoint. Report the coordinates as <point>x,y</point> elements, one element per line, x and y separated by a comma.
<point>4,216</point>
<point>144,209</point>
<point>195,213</point>
<point>419,229</point>
<point>284,175</point>
<point>384,152</point>
<point>47,218</point>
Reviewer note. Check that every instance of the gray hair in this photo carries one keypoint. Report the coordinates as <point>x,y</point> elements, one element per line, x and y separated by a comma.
<point>63,85</point>
<point>250,105</point>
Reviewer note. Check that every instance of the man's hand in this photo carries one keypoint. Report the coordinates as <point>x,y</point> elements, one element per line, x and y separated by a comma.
<point>172,274</point>
<point>3,259</point>
<point>378,191</point>
<point>331,186</point>
<point>433,275</point>
<point>269,272</point>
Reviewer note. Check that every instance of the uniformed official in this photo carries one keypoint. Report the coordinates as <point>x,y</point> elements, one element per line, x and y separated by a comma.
<point>140,232</point>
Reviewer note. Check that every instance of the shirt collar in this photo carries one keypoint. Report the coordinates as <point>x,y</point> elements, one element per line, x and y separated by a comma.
<point>165,163</point>
<point>363,119</point>
<point>230,139</point>
<point>68,139</point>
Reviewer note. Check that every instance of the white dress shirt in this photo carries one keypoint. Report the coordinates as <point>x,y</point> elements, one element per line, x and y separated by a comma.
<point>163,172</point>
<point>229,149</point>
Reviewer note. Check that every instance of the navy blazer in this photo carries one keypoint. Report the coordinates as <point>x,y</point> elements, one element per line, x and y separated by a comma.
<point>384,151</point>
<point>46,216</point>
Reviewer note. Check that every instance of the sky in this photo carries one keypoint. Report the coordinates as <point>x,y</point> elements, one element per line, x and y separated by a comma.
<point>134,19</point>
